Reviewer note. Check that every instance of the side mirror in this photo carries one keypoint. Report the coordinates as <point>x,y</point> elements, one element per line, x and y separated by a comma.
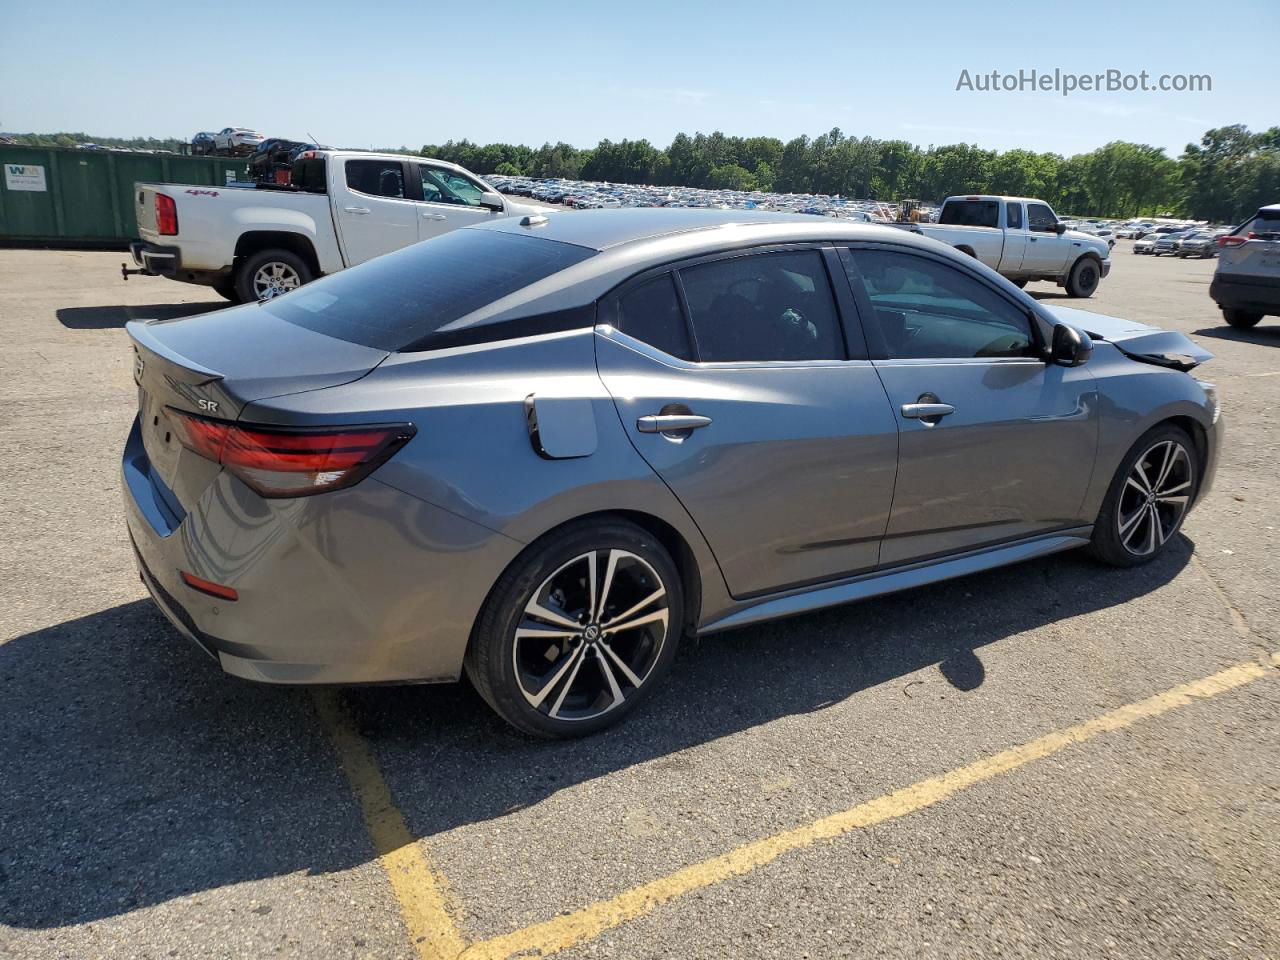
<point>1071,347</point>
<point>492,201</point>
<point>1059,228</point>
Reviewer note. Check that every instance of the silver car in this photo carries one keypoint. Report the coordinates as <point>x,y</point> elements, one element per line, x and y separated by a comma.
<point>541,451</point>
<point>1246,284</point>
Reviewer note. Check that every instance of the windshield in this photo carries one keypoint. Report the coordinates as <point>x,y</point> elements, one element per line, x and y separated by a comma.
<point>970,213</point>
<point>400,300</point>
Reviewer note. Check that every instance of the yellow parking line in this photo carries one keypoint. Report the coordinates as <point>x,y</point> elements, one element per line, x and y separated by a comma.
<point>419,892</point>
<point>564,931</point>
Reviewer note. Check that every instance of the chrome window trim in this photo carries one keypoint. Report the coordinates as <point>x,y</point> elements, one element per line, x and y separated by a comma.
<point>610,332</point>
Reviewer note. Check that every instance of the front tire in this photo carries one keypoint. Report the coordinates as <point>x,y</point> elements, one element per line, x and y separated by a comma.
<point>1241,319</point>
<point>270,273</point>
<point>1148,498</point>
<point>1085,276</point>
<point>578,630</point>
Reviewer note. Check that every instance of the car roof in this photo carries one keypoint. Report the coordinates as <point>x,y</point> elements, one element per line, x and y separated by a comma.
<point>603,230</point>
<point>630,241</point>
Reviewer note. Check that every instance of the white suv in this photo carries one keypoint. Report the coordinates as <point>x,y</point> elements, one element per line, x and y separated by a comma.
<point>1246,284</point>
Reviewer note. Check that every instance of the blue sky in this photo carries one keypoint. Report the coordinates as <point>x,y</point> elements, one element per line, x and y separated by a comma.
<point>386,73</point>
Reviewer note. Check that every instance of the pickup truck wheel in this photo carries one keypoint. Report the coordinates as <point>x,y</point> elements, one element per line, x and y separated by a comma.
<point>1241,319</point>
<point>1019,283</point>
<point>270,273</point>
<point>1084,278</point>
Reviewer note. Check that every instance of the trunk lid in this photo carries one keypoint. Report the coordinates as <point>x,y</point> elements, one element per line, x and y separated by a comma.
<point>214,365</point>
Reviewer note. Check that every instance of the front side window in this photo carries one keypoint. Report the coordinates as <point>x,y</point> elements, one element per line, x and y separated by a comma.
<point>765,306</point>
<point>928,310</point>
<point>440,185</point>
<point>651,313</point>
<point>378,178</point>
<point>1041,218</point>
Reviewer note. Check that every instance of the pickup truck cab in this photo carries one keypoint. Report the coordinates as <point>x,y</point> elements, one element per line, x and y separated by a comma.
<point>1022,239</point>
<point>256,241</point>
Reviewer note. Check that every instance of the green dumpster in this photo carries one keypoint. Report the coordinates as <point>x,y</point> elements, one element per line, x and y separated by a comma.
<point>76,197</point>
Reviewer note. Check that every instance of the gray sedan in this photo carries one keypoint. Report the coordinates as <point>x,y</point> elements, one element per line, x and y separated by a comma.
<point>542,451</point>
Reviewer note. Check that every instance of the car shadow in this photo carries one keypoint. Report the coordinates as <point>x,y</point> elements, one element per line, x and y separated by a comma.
<point>107,317</point>
<point>135,772</point>
<point>1262,335</point>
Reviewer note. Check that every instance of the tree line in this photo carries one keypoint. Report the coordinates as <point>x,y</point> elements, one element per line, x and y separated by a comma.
<point>1223,178</point>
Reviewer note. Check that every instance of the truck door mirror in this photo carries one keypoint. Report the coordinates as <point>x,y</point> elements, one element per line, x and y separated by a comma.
<point>1059,228</point>
<point>491,201</point>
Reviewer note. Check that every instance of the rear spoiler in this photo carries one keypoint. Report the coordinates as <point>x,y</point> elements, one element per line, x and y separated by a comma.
<point>176,366</point>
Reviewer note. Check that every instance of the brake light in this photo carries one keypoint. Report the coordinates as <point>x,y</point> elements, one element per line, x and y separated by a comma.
<point>166,216</point>
<point>1233,241</point>
<point>291,462</point>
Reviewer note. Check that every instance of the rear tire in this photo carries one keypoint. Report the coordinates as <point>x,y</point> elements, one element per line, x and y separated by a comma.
<point>1241,319</point>
<point>270,273</point>
<point>551,666</point>
<point>1144,507</point>
<point>1085,276</point>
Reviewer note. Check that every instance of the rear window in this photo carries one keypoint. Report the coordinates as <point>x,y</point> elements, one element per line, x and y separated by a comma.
<point>970,213</point>
<point>404,300</point>
<point>1266,224</point>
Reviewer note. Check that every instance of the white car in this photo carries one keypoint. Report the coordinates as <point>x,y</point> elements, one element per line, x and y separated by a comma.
<point>255,242</point>
<point>237,140</point>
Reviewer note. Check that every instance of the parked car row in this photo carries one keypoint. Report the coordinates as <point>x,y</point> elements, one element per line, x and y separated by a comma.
<point>1190,242</point>
<point>595,195</point>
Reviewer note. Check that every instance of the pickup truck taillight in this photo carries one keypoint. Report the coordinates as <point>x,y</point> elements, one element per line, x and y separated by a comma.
<point>166,216</point>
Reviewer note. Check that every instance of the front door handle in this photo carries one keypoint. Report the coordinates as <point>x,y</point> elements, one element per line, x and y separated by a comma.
<point>930,412</point>
<point>671,423</point>
<point>359,210</point>
<point>434,216</point>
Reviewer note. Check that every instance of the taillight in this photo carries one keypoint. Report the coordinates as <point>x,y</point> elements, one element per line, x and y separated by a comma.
<point>1233,241</point>
<point>291,462</point>
<point>166,216</point>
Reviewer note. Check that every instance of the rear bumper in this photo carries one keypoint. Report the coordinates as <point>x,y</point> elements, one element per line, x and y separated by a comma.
<point>1254,294</point>
<point>364,585</point>
<point>157,260</point>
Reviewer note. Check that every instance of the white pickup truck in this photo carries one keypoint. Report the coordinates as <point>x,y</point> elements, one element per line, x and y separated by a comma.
<point>256,241</point>
<point>1023,240</point>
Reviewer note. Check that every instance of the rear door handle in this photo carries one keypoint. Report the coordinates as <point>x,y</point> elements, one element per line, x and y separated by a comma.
<point>434,216</point>
<point>356,209</point>
<point>926,411</point>
<point>671,422</point>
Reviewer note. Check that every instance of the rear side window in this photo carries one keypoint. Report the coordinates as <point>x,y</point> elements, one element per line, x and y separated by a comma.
<point>971,213</point>
<point>378,178</point>
<point>1013,216</point>
<point>408,299</point>
<point>765,306</point>
<point>651,312</point>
